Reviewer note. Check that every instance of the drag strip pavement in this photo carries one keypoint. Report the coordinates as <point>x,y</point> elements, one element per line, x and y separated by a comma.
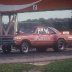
<point>33,56</point>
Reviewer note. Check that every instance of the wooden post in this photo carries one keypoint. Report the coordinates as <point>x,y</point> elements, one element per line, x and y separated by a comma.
<point>15,23</point>
<point>1,26</point>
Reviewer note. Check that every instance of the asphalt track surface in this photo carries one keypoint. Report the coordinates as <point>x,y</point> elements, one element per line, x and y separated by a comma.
<point>33,56</point>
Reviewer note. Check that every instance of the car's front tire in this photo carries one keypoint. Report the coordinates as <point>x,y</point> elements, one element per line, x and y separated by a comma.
<point>60,45</point>
<point>24,47</point>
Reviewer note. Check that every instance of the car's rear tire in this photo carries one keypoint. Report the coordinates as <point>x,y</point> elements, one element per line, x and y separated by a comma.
<point>6,49</point>
<point>41,49</point>
<point>24,47</point>
<point>60,45</point>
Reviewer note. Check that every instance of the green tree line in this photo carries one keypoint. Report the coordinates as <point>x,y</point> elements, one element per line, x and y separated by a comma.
<point>60,24</point>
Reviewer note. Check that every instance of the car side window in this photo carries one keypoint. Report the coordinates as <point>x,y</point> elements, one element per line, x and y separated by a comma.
<point>40,31</point>
<point>51,31</point>
<point>43,31</point>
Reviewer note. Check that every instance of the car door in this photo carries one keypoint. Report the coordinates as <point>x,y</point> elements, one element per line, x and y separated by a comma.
<point>41,37</point>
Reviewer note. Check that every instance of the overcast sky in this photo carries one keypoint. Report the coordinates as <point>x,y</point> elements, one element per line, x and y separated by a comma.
<point>43,14</point>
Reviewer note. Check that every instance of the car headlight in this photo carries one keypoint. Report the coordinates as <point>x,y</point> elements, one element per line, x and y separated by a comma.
<point>17,38</point>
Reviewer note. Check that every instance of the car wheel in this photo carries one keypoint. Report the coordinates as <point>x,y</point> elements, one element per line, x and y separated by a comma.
<point>6,49</point>
<point>60,46</point>
<point>41,49</point>
<point>24,47</point>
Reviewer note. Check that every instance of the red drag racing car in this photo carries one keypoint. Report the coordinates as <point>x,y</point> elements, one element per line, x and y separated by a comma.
<point>41,38</point>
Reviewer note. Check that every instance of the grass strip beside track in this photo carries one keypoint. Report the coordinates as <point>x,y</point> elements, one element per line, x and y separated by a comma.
<point>57,66</point>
